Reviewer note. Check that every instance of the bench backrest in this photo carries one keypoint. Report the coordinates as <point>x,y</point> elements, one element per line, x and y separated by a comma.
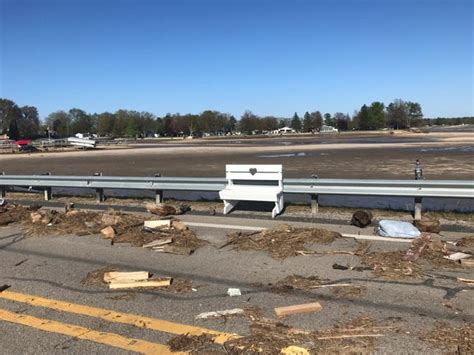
<point>254,172</point>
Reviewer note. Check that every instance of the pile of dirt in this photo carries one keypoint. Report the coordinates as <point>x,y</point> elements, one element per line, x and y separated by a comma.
<point>269,337</point>
<point>297,282</point>
<point>136,236</point>
<point>126,228</point>
<point>453,340</point>
<point>190,343</point>
<point>11,213</point>
<point>96,278</point>
<point>281,242</point>
<point>423,255</point>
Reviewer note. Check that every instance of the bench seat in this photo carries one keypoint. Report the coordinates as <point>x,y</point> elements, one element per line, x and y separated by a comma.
<point>267,186</point>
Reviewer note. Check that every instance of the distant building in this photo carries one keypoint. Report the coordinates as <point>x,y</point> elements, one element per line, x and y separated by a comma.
<point>284,130</point>
<point>328,129</point>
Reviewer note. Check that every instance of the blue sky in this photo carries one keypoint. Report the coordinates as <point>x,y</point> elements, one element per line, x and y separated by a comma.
<point>272,57</point>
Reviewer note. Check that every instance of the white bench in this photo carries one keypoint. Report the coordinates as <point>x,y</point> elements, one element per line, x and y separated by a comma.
<point>253,183</point>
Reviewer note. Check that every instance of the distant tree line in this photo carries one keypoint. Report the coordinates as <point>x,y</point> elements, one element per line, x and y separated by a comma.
<point>23,122</point>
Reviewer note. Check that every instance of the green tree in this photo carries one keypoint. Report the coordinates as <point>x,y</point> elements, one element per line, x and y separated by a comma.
<point>59,123</point>
<point>307,122</point>
<point>397,114</point>
<point>105,124</point>
<point>317,120</point>
<point>341,121</point>
<point>376,118</point>
<point>296,122</point>
<point>10,114</point>
<point>415,114</point>
<point>28,124</point>
<point>363,118</point>
<point>249,122</point>
<point>328,121</point>
<point>81,122</point>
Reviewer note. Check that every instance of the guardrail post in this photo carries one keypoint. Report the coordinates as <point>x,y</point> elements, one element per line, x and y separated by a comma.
<point>3,189</point>
<point>99,195</point>
<point>48,193</point>
<point>314,205</point>
<point>159,196</point>
<point>418,201</point>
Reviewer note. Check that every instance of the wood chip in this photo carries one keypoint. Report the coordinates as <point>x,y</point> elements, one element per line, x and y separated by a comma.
<point>468,281</point>
<point>296,309</point>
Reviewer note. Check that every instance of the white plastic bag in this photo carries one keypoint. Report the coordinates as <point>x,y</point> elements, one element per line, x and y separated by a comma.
<point>397,229</point>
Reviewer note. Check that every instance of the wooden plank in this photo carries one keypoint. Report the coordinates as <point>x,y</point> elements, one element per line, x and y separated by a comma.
<point>126,276</point>
<point>296,309</point>
<point>143,283</point>
<point>157,243</point>
<point>157,224</point>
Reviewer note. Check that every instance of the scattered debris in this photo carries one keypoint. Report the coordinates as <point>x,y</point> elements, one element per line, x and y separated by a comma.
<point>108,232</point>
<point>336,266</point>
<point>294,350</point>
<point>296,309</point>
<point>171,249</point>
<point>297,282</point>
<point>453,340</point>
<point>21,262</point>
<point>69,206</point>
<point>217,314</point>
<point>428,225</point>
<point>269,337</point>
<point>457,256</point>
<point>468,281</point>
<point>232,292</point>
<point>281,242</point>
<point>123,297</point>
<point>361,219</point>
<point>6,219</point>
<point>414,252</point>
<point>191,343</point>
<point>162,209</point>
<point>179,226</point>
<point>110,219</point>
<point>397,229</point>
<point>350,291</point>
<point>4,287</point>
<point>3,202</point>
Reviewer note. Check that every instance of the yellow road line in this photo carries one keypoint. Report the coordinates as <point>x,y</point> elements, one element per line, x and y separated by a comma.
<point>118,317</point>
<point>111,339</point>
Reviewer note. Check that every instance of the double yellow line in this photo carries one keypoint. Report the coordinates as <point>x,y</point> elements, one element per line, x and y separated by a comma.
<point>110,339</point>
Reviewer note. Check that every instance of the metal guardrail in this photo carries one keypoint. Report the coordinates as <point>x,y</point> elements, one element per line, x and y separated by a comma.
<point>314,187</point>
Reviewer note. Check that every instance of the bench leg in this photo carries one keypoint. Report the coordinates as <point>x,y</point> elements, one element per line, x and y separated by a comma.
<point>278,207</point>
<point>228,206</point>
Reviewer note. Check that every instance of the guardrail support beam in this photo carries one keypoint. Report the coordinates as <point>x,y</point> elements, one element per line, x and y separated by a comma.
<point>99,195</point>
<point>159,196</point>
<point>314,205</point>
<point>3,191</point>
<point>48,193</point>
<point>417,215</point>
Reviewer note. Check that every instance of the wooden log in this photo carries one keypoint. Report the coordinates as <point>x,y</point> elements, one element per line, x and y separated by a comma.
<point>115,276</point>
<point>143,283</point>
<point>296,309</point>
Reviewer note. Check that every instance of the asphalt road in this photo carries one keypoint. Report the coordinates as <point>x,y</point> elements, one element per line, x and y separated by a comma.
<point>53,267</point>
